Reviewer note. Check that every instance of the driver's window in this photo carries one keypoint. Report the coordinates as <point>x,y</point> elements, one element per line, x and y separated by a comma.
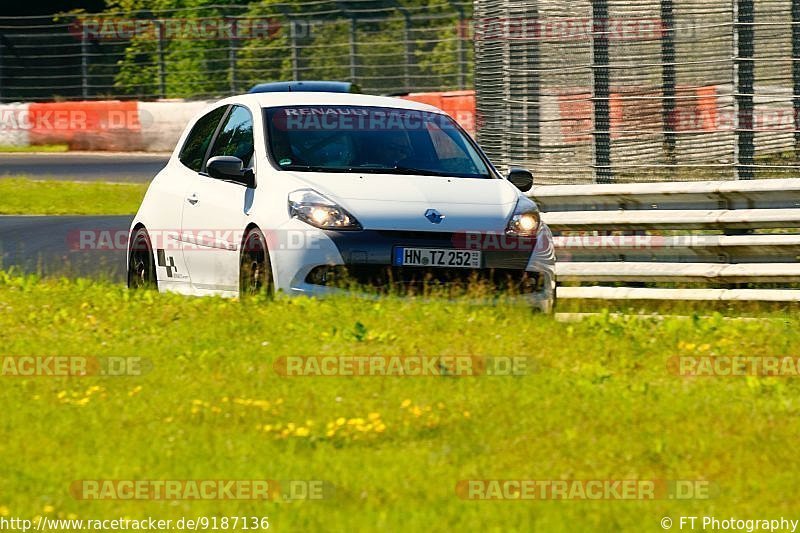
<point>236,136</point>
<point>194,149</point>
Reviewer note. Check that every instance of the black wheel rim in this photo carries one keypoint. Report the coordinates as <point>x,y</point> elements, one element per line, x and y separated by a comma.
<point>254,273</point>
<point>141,270</point>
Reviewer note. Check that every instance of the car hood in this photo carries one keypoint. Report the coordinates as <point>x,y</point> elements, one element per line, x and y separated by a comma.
<point>392,202</point>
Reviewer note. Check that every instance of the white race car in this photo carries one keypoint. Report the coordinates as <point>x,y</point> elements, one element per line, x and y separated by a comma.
<point>312,193</point>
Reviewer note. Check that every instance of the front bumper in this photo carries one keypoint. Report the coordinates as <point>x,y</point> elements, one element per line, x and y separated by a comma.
<point>522,268</point>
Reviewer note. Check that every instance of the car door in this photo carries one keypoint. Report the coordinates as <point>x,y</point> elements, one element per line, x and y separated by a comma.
<point>177,177</point>
<point>216,211</point>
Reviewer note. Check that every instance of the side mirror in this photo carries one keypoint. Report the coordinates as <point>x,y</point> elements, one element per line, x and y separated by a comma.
<point>521,178</point>
<point>230,168</point>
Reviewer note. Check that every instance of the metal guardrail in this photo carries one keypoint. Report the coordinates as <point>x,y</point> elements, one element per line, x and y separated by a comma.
<point>704,233</point>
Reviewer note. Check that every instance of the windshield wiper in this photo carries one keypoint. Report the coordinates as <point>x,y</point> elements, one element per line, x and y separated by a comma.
<point>397,169</point>
<point>309,168</point>
<point>424,172</point>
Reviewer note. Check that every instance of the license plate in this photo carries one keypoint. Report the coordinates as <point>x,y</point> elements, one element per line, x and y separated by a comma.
<point>437,257</point>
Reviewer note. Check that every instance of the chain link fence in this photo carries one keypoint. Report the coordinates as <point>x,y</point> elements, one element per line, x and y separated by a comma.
<point>383,46</point>
<point>655,90</point>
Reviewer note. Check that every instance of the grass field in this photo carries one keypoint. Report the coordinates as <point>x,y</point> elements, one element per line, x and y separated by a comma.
<point>23,196</point>
<point>36,148</point>
<point>597,403</point>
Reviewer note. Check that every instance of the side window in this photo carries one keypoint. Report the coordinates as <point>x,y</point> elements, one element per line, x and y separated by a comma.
<point>196,145</point>
<point>236,136</point>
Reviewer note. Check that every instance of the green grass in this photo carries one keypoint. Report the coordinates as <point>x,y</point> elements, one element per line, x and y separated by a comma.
<point>599,405</point>
<point>35,148</point>
<point>23,196</point>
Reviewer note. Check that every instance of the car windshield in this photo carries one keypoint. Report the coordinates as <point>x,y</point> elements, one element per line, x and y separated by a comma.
<point>380,140</point>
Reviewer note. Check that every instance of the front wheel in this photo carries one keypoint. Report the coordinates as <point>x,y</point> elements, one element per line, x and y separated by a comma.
<point>255,270</point>
<point>141,265</point>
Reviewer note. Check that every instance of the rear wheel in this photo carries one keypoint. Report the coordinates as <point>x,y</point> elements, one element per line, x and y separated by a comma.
<point>141,265</point>
<point>255,270</point>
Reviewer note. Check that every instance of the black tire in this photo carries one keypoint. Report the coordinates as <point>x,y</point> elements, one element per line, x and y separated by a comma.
<point>255,269</point>
<point>141,264</point>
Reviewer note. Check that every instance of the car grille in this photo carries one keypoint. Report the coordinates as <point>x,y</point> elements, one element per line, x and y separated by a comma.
<point>415,279</point>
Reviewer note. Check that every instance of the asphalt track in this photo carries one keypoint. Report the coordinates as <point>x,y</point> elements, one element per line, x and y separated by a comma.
<point>83,166</point>
<point>52,245</point>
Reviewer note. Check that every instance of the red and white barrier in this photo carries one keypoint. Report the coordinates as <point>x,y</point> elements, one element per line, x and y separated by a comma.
<point>110,125</point>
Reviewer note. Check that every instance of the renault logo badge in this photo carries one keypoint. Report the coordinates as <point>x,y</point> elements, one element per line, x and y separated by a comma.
<point>434,216</point>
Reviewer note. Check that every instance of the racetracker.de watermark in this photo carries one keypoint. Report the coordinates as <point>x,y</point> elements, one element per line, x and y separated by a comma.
<point>168,29</point>
<point>198,239</point>
<point>201,489</point>
<point>72,366</point>
<point>354,118</point>
<point>58,117</point>
<point>585,489</point>
<point>401,366</point>
<point>734,366</point>
<point>575,29</point>
<point>88,240</point>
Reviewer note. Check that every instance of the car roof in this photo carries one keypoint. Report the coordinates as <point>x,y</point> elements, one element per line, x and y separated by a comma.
<point>274,99</point>
<point>306,86</point>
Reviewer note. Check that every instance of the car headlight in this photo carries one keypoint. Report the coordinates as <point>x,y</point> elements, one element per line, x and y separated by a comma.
<point>313,208</point>
<point>525,220</point>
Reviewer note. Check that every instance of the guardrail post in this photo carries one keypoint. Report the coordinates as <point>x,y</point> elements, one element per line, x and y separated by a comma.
<point>744,81</point>
<point>668,78</point>
<point>601,93</point>
<point>796,73</point>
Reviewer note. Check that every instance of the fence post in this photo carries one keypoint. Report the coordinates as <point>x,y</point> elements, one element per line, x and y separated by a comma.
<point>668,79</point>
<point>1,67</point>
<point>524,80</point>
<point>162,68</point>
<point>601,93</point>
<point>232,53</point>
<point>84,62</point>
<point>461,50</point>
<point>743,89</point>
<point>796,73</point>
<point>294,55</point>
<point>353,49</point>
<point>408,53</point>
